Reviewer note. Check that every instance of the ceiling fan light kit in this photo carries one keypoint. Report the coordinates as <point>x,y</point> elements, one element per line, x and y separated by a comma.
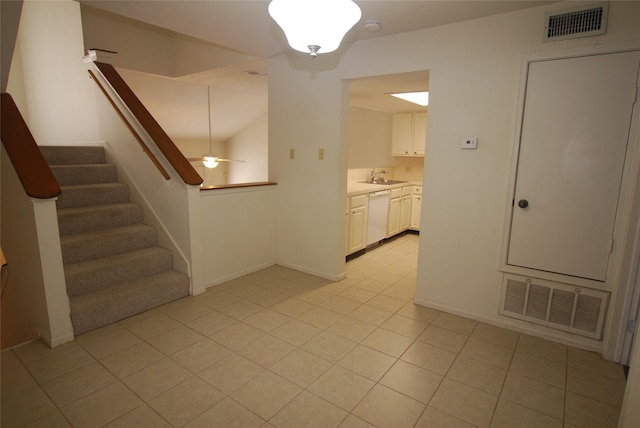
<point>315,26</point>
<point>209,160</point>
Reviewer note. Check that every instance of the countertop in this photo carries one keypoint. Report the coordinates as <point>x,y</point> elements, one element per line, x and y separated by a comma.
<point>358,188</point>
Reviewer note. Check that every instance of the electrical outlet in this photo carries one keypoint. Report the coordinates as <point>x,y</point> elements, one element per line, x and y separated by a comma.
<point>469,143</point>
<point>320,154</point>
<point>292,153</point>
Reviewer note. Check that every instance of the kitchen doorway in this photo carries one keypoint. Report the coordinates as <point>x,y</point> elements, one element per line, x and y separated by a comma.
<point>373,111</point>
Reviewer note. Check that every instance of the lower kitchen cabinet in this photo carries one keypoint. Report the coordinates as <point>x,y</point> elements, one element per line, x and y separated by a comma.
<point>399,217</point>
<point>405,204</point>
<point>393,218</point>
<point>405,213</point>
<point>416,208</point>
<point>356,223</point>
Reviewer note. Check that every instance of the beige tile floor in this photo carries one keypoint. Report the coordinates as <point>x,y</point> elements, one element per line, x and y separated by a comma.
<point>279,348</point>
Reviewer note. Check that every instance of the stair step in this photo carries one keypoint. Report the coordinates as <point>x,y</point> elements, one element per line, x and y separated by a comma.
<point>84,174</point>
<point>99,217</point>
<point>90,276</point>
<point>92,194</point>
<point>94,310</point>
<point>72,155</point>
<point>112,264</point>
<point>104,243</point>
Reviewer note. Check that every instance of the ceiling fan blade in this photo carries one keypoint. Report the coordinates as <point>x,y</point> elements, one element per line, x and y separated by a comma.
<point>216,159</point>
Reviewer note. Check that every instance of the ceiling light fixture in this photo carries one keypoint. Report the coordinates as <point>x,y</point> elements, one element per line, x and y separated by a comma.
<point>316,26</point>
<point>420,98</point>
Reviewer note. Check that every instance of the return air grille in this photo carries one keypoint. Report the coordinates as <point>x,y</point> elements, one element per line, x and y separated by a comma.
<point>561,306</point>
<point>574,23</point>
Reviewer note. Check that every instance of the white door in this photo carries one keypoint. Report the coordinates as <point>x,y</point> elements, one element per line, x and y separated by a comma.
<point>573,143</point>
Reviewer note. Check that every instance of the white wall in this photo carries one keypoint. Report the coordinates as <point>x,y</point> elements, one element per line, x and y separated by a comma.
<point>238,232</point>
<point>151,49</point>
<point>10,17</point>
<point>369,138</point>
<point>474,83</point>
<point>252,146</point>
<point>307,112</point>
<point>59,100</point>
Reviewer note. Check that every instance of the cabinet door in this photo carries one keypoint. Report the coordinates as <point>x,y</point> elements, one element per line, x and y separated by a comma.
<point>348,231</point>
<point>405,213</point>
<point>393,220</point>
<point>416,208</point>
<point>402,135</point>
<point>357,229</point>
<point>419,133</point>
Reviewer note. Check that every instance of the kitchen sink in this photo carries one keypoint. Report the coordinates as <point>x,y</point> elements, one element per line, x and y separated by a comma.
<point>385,182</point>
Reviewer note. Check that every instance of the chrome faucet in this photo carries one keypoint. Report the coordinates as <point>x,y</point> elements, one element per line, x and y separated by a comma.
<point>374,174</point>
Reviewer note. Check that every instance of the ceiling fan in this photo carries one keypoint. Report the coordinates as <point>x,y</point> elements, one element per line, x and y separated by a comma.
<point>209,160</point>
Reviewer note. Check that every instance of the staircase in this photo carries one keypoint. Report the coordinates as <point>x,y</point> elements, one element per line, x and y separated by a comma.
<point>113,265</point>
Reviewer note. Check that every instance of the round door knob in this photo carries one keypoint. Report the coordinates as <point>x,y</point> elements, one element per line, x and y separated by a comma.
<point>523,203</point>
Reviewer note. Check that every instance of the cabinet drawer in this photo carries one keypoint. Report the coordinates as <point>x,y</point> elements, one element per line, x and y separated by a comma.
<point>396,193</point>
<point>358,201</point>
<point>407,190</point>
<point>417,190</point>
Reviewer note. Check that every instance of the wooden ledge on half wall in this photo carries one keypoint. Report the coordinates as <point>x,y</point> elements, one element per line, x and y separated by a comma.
<point>239,185</point>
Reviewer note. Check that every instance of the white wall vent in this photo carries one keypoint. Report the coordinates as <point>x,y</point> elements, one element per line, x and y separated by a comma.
<point>574,309</point>
<point>589,20</point>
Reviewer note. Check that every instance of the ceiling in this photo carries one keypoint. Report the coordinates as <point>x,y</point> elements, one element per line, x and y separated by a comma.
<point>245,26</point>
<point>372,93</point>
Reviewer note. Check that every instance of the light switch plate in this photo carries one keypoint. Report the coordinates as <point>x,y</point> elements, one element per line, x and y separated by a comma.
<point>469,143</point>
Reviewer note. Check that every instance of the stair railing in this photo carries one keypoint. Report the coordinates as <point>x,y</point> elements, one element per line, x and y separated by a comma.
<point>137,136</point>
<point>31,167</point>
<point>163,142</point>
<point>36,292</point>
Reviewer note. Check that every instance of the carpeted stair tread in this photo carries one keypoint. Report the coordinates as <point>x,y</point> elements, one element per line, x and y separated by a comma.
<point>109,242</point>
<point>91,311</point>
<point>90,276</point>
<point>113,266</point>
<point>70,155</point>
<point>74,196</point>
<point>99,217</point>
<point>84,174</point>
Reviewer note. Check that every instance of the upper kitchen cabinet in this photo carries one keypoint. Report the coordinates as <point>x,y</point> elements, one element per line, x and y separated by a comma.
<point>409,134</point>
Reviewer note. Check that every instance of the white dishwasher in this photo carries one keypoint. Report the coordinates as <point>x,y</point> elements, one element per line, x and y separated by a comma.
<point>377,216</point>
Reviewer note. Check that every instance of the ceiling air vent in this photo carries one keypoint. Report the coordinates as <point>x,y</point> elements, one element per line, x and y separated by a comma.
<point>590,20</point>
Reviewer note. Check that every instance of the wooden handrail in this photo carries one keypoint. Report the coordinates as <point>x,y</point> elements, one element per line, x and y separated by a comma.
<point>145,149</point>
<point>27,159</point>
<point>174,156</point>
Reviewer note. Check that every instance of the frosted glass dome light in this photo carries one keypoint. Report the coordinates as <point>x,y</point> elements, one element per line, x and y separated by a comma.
<point>315,26</point>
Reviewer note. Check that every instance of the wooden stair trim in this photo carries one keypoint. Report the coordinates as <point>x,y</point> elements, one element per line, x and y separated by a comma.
<point>174,156</point>
<point>137,136</point>
<point>32,169</point>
